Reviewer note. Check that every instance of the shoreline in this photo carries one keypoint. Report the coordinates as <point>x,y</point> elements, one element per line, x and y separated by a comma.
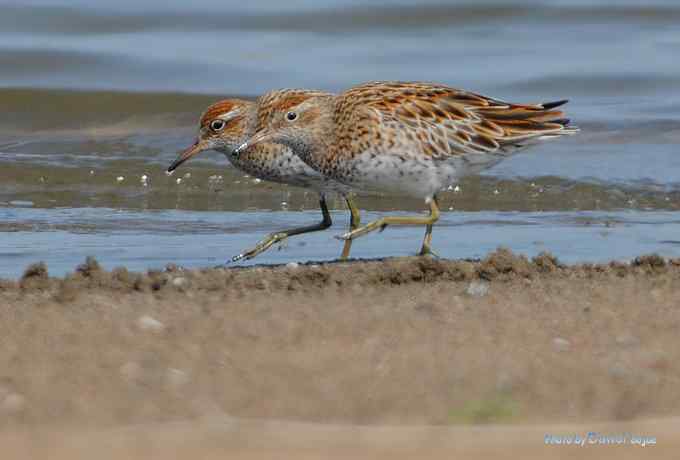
<point>499,265</point>
<point>405,340</point>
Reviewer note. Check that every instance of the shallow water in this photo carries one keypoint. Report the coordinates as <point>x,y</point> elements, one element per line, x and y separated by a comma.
<point>138,240</point>
<point>91,94</point>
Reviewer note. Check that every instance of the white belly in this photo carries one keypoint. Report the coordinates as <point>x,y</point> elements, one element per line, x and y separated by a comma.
<point>402,174</point>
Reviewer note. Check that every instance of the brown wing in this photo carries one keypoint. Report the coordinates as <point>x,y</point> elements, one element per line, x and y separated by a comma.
<point>448,121</point>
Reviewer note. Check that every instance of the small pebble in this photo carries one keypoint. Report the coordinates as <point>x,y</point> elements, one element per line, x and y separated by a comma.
<point>147,323</point>
<point>477,289</point>
<point>187,175</point>
<point>496,192</point>
<point>292,265</point>
<point>456,189</point>
<point>627,341</point>
<point>561,344</point>
<point>176,378</point>
<point>91,172</point>
<point>178,180</point>
<point>179,281</point>
<point>618,370</point>
<point>13,403</point>
<point>131,371</point>
<point>505,382</point>
<point>257,181</point>
<point>120,179</point>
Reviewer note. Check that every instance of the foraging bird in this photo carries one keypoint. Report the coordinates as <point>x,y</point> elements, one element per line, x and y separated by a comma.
<point>403,137</point>
<point>226,124</point>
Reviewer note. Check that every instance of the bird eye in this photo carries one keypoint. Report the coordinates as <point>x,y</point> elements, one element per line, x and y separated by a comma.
<point>291,116</point>
<point>217,125</point>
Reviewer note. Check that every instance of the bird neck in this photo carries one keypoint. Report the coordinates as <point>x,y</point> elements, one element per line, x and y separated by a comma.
<point>317,141</point>
<point>250,125</point>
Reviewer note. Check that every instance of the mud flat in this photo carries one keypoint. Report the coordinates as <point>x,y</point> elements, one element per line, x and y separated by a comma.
<point>346,358</point>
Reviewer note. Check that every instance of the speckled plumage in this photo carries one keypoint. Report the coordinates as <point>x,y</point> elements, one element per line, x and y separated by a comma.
<point>409,137</point>
<point>228,123</point>
<point>267,161</point>
<point>402,137</point>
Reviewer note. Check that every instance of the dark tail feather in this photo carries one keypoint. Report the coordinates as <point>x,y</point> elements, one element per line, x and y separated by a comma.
<point>552,105</point>
<point>561,121</point>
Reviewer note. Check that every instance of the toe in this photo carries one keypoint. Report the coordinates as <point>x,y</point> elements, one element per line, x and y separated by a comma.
<point>237,258</point>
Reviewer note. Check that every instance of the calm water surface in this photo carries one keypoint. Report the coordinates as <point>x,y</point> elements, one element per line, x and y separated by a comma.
<point>94,96</point>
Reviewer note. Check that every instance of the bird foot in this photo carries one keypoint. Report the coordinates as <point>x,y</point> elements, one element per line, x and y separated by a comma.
<point>427,251</point>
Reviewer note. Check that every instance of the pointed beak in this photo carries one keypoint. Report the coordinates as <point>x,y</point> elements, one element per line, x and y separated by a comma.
<point>257,138</point>
<point>197,147</point>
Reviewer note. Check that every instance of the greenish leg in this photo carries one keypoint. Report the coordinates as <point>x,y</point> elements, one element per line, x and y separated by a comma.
<point>354,221</point>
<point>383,222</point>
<point>277,237</point>
<point>426,249</point>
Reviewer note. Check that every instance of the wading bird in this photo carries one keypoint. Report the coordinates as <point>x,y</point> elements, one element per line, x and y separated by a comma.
<point>228,123</point>
<point>402,137</point>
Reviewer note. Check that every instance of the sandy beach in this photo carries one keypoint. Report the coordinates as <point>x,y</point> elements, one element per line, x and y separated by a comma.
<point>436,353</point>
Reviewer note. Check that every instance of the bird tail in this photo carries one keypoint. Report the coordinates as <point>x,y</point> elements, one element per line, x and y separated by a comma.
<point>525,123</point>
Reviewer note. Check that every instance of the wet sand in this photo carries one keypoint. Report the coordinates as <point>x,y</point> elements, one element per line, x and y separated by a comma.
<point>240,360</point>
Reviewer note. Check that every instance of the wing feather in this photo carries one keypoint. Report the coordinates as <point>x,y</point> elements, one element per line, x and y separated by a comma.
<point>447,121</point>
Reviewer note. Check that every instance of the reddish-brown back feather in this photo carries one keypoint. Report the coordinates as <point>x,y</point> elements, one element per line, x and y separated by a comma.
<point>448,121</point>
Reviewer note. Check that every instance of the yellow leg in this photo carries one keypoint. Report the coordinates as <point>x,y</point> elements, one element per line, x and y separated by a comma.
<point>383,222</point>
<point>277,237</point>
<point>427,242</point>
<point>354,221</point>
<point>426,249</point>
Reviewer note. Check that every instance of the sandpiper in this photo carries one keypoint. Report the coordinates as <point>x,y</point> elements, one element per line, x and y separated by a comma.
<point>226,124</point>
<point>404,137</point>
